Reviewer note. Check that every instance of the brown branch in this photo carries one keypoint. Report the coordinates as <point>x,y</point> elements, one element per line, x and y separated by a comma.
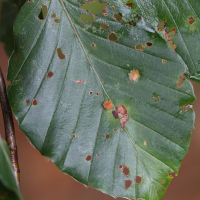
<point>9,126</point>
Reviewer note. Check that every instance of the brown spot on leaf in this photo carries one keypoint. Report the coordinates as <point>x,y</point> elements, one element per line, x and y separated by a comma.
<point>34,102</point>
<point>164,61</point>
<point>134,75</point>
<point>91,92</point>
<point>93,45</point>
<point>129,4</point>
<point>138,179</point>
<point>120,113</point>
<point>156,98</point>
<point>89,157</point>
<point>145,143</point>
<point>107,105</point>
<point>79,81</point>
<point>114,130</point>
<point>161,181</point>
<point>161,25</point>
<point>128,184</point>
<point>60,54</point>
<point>149,44</point>
<point>125,170</point>
<point>97,94</point>
<point>43,12</point>
<point>172,174</point>
<point>104,26</point>
<point>50,74</point>
<point>187,107</point>
<point>28,101</point>
<point>112,37</point>
<point>105,14</point>
<point>118,16</point>
<point>73,135</point>
<point>191,20</point>
<point>107,136</point>
<point>87,18</point>
<point>182,78</point>
<point>97,155</point>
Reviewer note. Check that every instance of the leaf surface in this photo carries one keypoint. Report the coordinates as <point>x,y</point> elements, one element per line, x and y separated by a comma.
<point>184,18</point>
<point>8,184</point>
<point>64,69</point>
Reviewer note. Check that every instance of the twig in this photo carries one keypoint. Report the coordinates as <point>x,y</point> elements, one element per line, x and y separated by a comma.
<point>9,126</point>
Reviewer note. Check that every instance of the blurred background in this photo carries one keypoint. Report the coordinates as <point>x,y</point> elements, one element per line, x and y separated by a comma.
<point>41,180</point>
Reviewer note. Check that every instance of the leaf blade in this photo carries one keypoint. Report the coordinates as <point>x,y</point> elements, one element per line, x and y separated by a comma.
<point>73,123</point>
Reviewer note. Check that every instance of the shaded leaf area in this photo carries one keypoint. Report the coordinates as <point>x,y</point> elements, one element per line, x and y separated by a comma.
<point>181,25</point>
<point>9,11</point>
<point>100,102</point>
<point>8,184</point>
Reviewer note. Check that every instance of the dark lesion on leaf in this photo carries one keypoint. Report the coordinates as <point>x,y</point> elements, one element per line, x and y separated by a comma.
<point>172,174</point>
<point>88,158</point>
<point>121,113</point>
<point>125,170</point>
<point>107,136</point>
<point>138,179</point>
<point>149,44</point>
<point>191,20</point>
<point>50,74</point>
<point>114,130</point>
<point>181,79</point>
<point>28,101</point>
<point>60,53</point>
<point>128,184</point>
<point>34,102</point>
<point>43,12</point>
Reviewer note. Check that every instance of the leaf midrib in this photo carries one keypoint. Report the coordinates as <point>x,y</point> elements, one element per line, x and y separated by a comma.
<point>84,50</point>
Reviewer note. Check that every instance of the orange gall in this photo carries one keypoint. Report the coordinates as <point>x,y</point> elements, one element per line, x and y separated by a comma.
<point>107,105</point>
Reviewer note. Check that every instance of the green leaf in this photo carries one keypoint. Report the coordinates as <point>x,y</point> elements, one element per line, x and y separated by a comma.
<point>184,18</point>
<point>64,69</point>
<point>9,11</point>
<point>9,189</point>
